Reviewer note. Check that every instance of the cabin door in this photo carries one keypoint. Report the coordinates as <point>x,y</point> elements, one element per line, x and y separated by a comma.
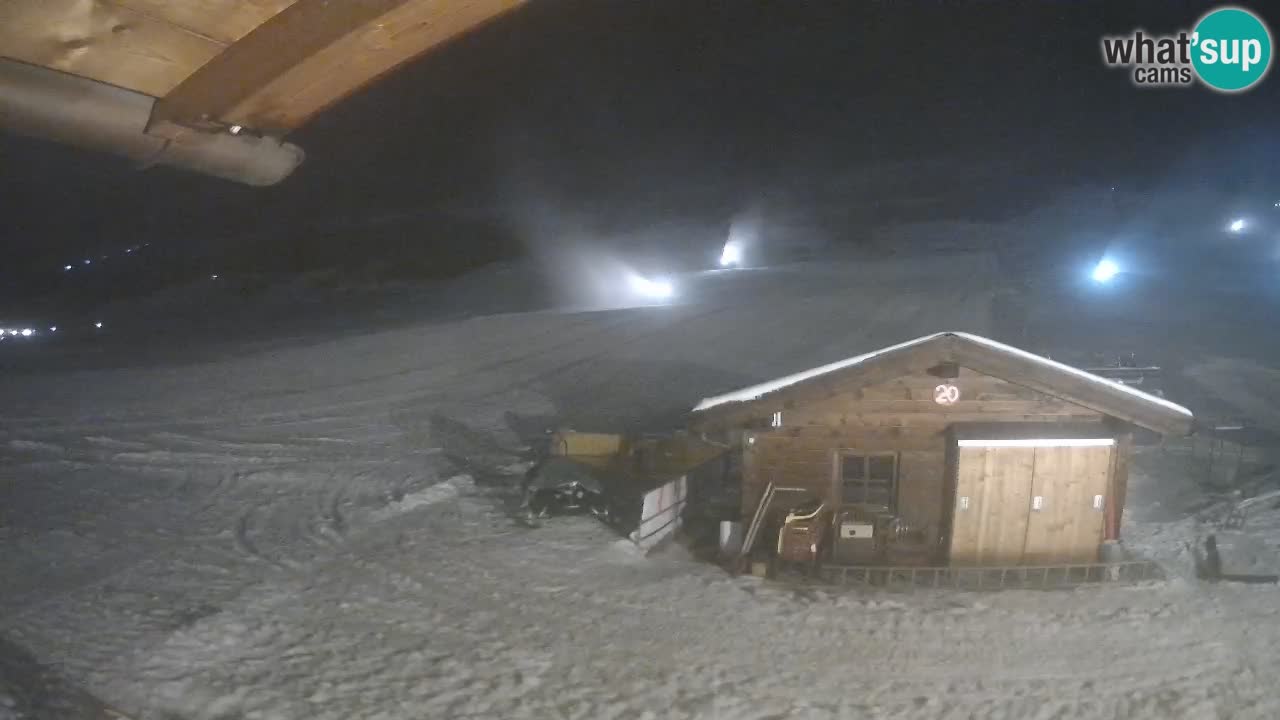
<point>1018,503</point>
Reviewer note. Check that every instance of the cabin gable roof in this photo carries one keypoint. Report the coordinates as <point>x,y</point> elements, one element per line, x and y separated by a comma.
<point>972,351</point>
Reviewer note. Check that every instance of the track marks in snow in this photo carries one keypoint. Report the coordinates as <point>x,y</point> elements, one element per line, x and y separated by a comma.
<point>283,548</point>
<point>453,614</point>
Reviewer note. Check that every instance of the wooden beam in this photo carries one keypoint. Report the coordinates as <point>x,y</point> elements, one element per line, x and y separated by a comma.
<point>224,21</point>
<point>1119,487</point>
<point>311,55</point>
<point>103,41</point>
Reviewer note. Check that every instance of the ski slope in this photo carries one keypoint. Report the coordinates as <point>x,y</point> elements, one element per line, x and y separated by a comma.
<point>320,528</point>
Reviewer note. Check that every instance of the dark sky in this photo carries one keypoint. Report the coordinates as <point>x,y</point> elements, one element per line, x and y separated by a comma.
<point>617,112</point>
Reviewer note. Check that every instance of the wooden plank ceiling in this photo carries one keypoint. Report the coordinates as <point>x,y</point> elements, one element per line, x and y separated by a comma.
<point>265,64</point>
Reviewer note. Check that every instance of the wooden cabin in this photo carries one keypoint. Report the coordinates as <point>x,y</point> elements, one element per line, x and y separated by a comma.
<point>947,449</point>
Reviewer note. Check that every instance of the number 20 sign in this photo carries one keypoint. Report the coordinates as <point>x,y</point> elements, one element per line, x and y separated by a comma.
<point>946,394</point>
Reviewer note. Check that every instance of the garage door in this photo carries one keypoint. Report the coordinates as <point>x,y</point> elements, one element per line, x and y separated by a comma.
<point>1022,502</point>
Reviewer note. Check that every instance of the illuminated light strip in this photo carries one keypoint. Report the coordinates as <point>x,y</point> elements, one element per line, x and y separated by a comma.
<point>1041,442</point>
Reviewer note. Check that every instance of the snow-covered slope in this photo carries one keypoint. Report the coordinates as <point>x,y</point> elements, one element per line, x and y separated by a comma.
<point>318,530</point>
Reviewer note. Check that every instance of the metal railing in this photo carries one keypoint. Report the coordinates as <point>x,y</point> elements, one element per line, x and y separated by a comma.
<point>991,578</point>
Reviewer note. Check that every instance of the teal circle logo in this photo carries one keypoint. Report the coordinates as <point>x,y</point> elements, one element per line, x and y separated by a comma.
<point>1231,49</point>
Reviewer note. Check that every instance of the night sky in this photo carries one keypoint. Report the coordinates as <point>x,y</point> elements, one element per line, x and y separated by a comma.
<point>622,114</point>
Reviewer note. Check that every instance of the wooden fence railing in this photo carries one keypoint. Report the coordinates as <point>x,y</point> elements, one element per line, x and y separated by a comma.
<point>991,578</point>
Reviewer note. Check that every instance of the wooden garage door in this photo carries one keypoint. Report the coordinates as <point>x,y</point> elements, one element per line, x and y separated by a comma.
<point>1027,504</point>
<point>993,492</point>
<point>1068,526</point>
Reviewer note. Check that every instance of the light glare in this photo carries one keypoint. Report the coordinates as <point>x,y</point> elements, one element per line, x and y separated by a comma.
<point>731,255</point>
<point>1105,271</point>
<point>659,289</point>
<point>1238,225</point>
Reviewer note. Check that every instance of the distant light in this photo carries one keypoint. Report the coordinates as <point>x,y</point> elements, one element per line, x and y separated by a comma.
<point>1105,270</point>
<point>731,255</point>
<point>98,325</point>
<point>235,129</point>
<point>1237,225</point>
<point>128,250</point>
<point>213,277</point>
<point>659,289</point>
<point>66,267</point>
<point>87,261</point>
<point>53,328</point>
<point>26,332</point>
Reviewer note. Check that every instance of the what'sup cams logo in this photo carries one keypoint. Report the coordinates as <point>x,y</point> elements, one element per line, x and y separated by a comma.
<point>1229,50</point>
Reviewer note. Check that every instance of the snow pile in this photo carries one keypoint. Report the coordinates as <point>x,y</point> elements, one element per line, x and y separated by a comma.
<point>447,490</point>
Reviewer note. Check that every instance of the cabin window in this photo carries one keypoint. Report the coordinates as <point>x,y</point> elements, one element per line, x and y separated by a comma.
<point>869,479</point>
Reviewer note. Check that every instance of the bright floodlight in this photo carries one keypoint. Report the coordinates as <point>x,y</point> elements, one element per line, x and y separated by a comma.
<point>659,289</point>
<point>1237,225</point>
<point>26,332</point>
<point>1105,271</point>
<point>731,255</point>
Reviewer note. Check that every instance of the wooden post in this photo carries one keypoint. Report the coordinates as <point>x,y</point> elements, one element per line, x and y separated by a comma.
<point>1119,486</point>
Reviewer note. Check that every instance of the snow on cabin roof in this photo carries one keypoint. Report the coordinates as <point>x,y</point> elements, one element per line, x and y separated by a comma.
<point>755,392</point>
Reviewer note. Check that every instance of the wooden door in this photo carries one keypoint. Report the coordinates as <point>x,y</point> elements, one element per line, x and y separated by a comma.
<point>993,494</point>
<point>1066,523</point>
